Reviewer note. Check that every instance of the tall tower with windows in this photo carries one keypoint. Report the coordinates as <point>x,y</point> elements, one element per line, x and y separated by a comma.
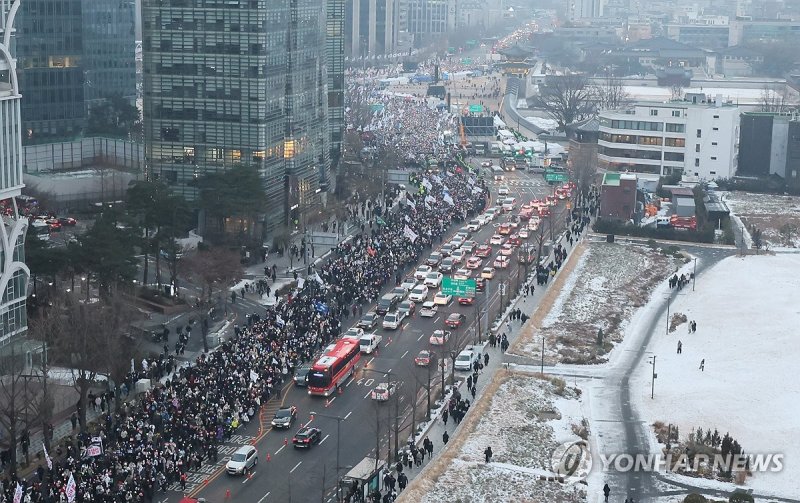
<point>14,273</point>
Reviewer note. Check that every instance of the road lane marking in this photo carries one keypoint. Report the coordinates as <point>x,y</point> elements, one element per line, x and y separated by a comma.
<point>367,395</point>
<point>295,467</point>
<point>264,497</point>
<point>349,383</point>
<point>420,336</point>
<point>329,402</point>
<point>279,450</point>
<point>404,354</point>
<point>246,478</point>
<point>324,439</point>
<point>437,319</point>
<point>370,361</point>
<point>348,415</point>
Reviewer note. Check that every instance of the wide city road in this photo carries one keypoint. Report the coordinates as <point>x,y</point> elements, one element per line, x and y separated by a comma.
<point>285,474</point>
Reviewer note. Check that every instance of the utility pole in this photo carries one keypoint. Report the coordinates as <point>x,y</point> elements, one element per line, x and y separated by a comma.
<point>669,300</point>
<point>542,370</point>
<point>653,380</point>
<point>694,273</point>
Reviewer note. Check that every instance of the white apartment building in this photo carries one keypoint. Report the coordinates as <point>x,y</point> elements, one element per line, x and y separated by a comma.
<point>696,137</point>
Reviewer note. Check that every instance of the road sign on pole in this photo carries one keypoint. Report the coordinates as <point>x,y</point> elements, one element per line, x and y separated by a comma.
<point>458,287</point>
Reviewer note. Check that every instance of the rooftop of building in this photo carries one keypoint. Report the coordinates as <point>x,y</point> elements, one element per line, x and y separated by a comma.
<point>740,51</point>
<point>515,52</point>
<point>613,179</point>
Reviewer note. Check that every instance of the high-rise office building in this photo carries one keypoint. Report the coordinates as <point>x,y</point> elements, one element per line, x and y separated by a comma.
<point>72,53</point>
<point>585,9</point>
<point>334,49</point>
<point>13,274</point>
<point>428,19</point>
<point>230,82</point>
<point>372,27</point>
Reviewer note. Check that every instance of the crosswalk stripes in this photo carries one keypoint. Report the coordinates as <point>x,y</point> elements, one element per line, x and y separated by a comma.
<point>519,182</point>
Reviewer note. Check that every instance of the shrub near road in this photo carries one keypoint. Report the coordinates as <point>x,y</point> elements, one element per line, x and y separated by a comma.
<point>609,282</point>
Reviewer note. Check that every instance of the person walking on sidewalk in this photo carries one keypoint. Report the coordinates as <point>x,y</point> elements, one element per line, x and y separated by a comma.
<point>444,417</point>
<point>680,347</point>
<point>606,492</point>
<point>445,438</point>
<point>429,448</point>
<point>702,364</point>
<point>487,454</point>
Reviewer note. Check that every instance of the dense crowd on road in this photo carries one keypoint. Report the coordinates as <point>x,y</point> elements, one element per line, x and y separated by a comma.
<point>153,441</point>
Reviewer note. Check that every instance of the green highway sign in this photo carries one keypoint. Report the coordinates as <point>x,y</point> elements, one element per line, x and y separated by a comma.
<point>556,177</point>
<point>458,287</point>
<point>476,109</point>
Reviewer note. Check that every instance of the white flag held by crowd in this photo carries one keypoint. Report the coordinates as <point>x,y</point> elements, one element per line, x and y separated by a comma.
<point>449,200</point>
<point>47,457</point>
<point>407,232</point>
<point>71,489</point>
<point>430,200</point>
<point>254,376</point>
<point>428,185</point>
<point>471,181</point>
<point>18,494</point>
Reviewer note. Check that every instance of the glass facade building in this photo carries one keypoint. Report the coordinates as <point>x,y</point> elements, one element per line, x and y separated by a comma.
<point>334,49</point>
<point>72,53</point>
<point>229,82</point>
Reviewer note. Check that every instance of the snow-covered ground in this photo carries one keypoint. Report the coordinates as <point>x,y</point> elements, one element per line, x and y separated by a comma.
<point>769,213</point>
<point>609,283</point>
<point>524,423</point>
<point>747,317</point>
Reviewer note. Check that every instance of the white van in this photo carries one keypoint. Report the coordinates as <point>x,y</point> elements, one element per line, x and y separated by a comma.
<point>509,203</point>
<point>369,343</point>
<point>465,359</point>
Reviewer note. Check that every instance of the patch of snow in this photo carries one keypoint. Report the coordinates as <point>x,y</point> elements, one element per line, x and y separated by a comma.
<point>749,386</point>
<point>768,212</point>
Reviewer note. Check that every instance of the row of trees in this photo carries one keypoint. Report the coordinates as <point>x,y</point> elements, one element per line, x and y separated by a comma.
<point>570,98</point>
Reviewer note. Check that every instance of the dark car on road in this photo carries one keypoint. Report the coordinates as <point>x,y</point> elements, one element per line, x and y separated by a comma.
<point>284,417</point>
<point>306,437</point>
<point>301,374</point>
<point>369,321</point>
<point>454,320</point>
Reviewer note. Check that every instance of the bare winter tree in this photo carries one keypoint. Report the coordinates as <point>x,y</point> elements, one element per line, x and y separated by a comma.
<point>776,98</point>
<point>676,90</point>
<point>788,232</point>
<point>611,94</point>
<point>566,98</point>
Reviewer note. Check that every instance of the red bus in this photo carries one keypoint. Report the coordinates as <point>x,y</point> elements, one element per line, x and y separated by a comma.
<point>334,367</point>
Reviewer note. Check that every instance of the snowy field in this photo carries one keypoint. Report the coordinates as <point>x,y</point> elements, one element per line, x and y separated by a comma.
<point>747,317</point>
<point>609,283</point>
<point>525,421</point>
<point>770,213</point>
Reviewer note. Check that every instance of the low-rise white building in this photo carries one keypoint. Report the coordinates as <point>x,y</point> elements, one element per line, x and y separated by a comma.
<point>696,137</point>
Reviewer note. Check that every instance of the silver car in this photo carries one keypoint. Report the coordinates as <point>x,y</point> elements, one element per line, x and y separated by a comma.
<point>243,461</point>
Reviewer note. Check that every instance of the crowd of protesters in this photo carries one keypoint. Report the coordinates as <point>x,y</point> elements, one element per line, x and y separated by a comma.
<point>150,443</point>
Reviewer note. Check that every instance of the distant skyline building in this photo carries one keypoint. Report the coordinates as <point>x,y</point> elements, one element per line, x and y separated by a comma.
<point>335,54</point>
<point>371,27</point>
<point>13,277</point>
<point>428,19</point>
<point>71,55</point>
<point>238,83</point>
<point>585,9</point>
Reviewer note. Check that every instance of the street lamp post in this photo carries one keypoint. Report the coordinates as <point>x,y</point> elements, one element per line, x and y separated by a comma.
<point>653,380</point>
<point>339,420</point>
<point>694,273</point>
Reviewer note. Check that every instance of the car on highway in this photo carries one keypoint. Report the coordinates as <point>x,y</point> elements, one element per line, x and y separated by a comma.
<point>533,224</point>
<point>353,333</point>
<point>465,359</point>
<point>504,229</point>
<point>524,233</point>
<point>474,225</point>
<point>466,301</point>
<point>480,284</point>
<point>507,250</point>
<point>387,303</point>
<point>408,284</point>
<point>474,263</point>
<point>306,437</point>
<point>458,255</point>
<point>445,250</point>
<point>301,375</point>
<point>383,391</point>
<point>418,294</point>
<point>502,191</point>
<point>429,309</point>
<point>243,461</point>
<point>501,262</point>
<point>464,233</point>
<point>369,321</point>
<point>433,279</point>
<point>469,246</point>
<point>496,239</point>
<point>369,343</point>
<point>68,221</point>
<point>492,213</point>
<point>447,264</point>
<point>487,273</point>
<point>442,299</point>
<point>439,337</point>
<point>454,320</point>
<point>486,164</point>
<point>483,251</point>
<point>434,259</point>
<point>285,417</point>
<point>423,358</point>
<point>422,271</point>
<point>462,274</point>
<point>407,307</point>
<point>456,243</point>
<point>393,320</point>
<point>400,292</point>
